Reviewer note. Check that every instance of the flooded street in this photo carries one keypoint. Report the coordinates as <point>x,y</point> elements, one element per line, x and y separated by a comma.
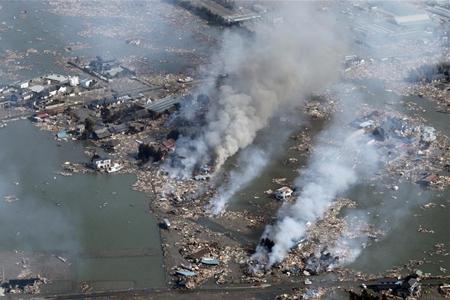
<point>96,222</point>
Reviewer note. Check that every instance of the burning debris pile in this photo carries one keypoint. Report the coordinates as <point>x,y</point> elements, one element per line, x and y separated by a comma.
<point>341,156</point>
<point>320,106</point>
<point>261,82</point>
<point>265,75</point>
<point>321,249</point>
<point>390,288</point>
<point>402,146</point>
<point>429,73</point>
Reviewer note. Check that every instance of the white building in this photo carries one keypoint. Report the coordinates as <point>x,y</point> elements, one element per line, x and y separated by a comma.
<point>102,164</point>
<point>74,80</point>
<point>24,85</point>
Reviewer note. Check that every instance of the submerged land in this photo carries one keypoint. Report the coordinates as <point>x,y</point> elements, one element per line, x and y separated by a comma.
<point>98,98</point>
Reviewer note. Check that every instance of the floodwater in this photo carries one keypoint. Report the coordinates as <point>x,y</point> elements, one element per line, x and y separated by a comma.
<point>96,222</point>
<point>28,25</point>
<point>103,228</point>
<point>397,213</point>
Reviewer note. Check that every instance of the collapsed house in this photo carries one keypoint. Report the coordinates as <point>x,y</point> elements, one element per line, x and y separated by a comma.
<point>155,151</point>
<point>318,264</point>
<point>21,286</point>
<point>408,286</point>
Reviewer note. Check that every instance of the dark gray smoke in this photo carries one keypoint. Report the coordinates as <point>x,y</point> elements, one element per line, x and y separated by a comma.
<point>270,70</point>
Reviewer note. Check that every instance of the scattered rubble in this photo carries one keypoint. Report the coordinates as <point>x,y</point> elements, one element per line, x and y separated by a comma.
<point>29,286</point>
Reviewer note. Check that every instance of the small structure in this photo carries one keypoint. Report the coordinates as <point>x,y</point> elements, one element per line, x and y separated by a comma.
<point>136,127</point>
<point>74,80</point>
<point>55,109</point>
<point>283,193</point>
<point>210,261</point>
<point>87,83</point>
<point>367,124</point>
<point>403,14</point>
<point>115,167</point>
<point>101,164</point>
<point>114,72</point>
<point>407,287</point>
<point>57,79</point>
<point>162,106</point>
<point>165,224</point>
<point>24,85</point>
<point>101,133</point>
<point>186,273</point>
<point>62,90</point>
<point>120,128</point>
<point>37,89</point>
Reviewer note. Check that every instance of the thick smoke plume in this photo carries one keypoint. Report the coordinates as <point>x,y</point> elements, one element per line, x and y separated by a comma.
<point>341,157</point>
<point>253,160</point>
<point>269,70</point>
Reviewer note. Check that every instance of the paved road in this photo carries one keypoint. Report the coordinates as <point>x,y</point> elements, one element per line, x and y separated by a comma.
<point>267,291</point>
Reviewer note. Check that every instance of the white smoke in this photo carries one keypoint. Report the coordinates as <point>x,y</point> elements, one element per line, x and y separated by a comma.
<point>269,70</point>
<point>252,160</point>
<point>342,156</point>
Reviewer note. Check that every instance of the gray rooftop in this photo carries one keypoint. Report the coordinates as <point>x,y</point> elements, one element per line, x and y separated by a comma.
<point>162,105</point>
<point>57,77</point>
<point>37,88</point>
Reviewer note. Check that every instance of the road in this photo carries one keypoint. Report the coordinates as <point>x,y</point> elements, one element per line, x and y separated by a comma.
<point>235,291</point>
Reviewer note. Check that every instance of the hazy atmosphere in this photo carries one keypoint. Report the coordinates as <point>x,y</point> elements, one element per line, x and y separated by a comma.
<point>223,149</point>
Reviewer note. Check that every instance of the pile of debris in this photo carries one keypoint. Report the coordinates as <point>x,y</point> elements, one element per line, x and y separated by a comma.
<point>204,255</point>
<point>396,288</point>
<point>304,294</point>
<point>304,145</point>
<point>319,110</point>
<point>410,150</point>
<point>22,286</point>
<point>312,255</point>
